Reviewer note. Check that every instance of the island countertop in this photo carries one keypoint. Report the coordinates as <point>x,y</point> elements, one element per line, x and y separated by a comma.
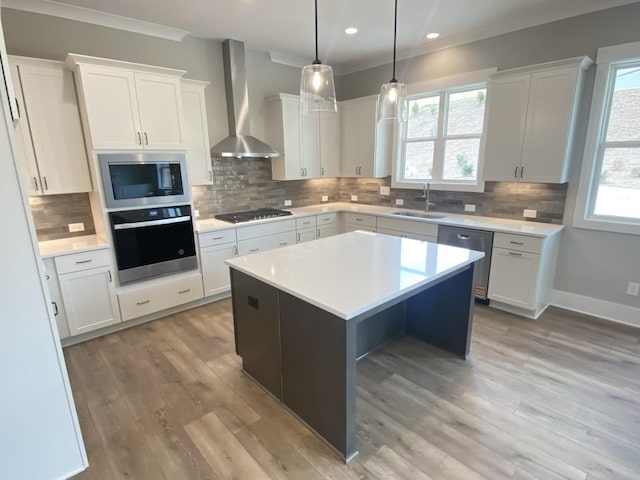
<point>352,273</point>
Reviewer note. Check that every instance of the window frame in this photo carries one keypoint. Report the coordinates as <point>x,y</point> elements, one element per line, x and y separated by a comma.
<point>443,88</point>
<point>609,60</point>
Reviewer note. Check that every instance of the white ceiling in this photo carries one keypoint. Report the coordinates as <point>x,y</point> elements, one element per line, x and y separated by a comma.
<point>286,26</point>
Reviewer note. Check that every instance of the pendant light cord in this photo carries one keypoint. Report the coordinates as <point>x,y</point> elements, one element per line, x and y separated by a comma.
<point>395,29</point>
<point>317,61</point>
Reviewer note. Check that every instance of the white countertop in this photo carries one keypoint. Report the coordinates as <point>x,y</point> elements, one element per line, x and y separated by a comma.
<point>535,229</point>
<point>352,273</point>
<point>52,248</point>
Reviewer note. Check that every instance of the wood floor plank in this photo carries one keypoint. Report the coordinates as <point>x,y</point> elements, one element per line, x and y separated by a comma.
<point>554,399</point>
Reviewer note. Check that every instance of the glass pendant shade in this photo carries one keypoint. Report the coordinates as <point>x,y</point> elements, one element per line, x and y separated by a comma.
<point>392,103</point>
<point>317,90</point>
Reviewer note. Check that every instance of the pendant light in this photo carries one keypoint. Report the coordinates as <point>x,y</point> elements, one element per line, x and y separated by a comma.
<point>392,101</point>
<point>317,90</point>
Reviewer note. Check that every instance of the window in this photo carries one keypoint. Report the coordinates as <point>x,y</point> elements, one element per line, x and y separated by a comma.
<point>609,194</point>
<point>441,141</point>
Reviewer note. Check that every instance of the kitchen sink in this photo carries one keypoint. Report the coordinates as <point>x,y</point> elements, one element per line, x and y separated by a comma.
<point>419,214</point>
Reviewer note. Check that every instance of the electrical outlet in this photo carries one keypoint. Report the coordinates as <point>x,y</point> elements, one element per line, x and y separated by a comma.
<point>530,213</point>
<point>76,227</point>
<point>633,289</point>
<point>399,202</point>
<point>196,213</point>
<point>385,190</point>
<point>469,207</point>
<point>354,198</point>
<point>287,203</point>
<point>325,198</point>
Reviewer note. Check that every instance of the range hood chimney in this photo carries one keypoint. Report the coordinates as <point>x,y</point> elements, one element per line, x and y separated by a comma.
<point>239,143</point>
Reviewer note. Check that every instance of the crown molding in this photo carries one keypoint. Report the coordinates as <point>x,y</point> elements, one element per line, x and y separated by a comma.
<point>86,15</point>
<point>298,62</point>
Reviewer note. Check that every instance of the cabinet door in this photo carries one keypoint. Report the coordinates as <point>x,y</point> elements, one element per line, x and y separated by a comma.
<point>327,230</point>
<point>310,145</point>
<point>196,134</point>
<point>215,274</point>
<point>507,114</point>
<point>514,276</point>
<point>23,143</point>
<point>160,107</point>
<point>329,144</point>
<point>111,107</point>
<point>56,132</point>
<point>549,121</point>
<point>306,235</point>
<point>56,298</point>
<point>282,131</point>
<point>367,139</point>
<point>349,138</point>
<point>89,299</point>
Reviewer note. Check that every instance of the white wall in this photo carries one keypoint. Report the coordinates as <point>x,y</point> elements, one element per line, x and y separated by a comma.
<point>592,264</point>
<point>39,434</point>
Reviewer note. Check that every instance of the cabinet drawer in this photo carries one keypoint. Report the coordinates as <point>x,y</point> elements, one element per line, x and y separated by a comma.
<point>219,237</point>
<point>305,222</point>
<point>521,243</point>
<point>359,219</point>
<point>414,236</point>
<point>408,226</point>
<point>263,229</point>
<point>326,218</point>
<point>160,296</point>
<point>76,262</point>
<point>261,244</point>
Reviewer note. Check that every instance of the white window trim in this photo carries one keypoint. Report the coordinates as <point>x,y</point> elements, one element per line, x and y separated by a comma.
<point>438,85</point>
<point>581,218</point>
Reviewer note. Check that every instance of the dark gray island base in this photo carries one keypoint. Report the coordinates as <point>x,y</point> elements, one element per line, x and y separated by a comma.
<point>306,356</point>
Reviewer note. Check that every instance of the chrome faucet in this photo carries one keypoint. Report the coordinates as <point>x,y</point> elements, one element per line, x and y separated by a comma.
<point>425,195</point>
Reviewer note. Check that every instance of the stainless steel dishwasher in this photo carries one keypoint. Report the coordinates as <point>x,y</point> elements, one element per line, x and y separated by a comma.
<point>479,240</point>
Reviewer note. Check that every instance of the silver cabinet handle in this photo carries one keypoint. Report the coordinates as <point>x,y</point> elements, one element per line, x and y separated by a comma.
<point>139,138</point>
<point>515,174</point>
<point>180,292</point>
<point>255,250</point>
<point>110,277</point>
<point>306,223</point>
<point>235,250</point>
<point>298,236</point>
<point>210,175</point>
<point>217,238</point>
<point>35,182</point>
<point>326,219</point>
<point>515,254</point>
<point>516,243</point>
<point>322,171</point>
<point>17,106</point>
<point>462,237</point>
<point>144,302</point>
<point>146,139</point>
<point>284,244</point>
<point>301,172</point>
<point>47,277</point>
<point>318,233</point>
<point>55,309</point>
<point>80,262</point>
<point>46,185</point>
<point>521,171</point>
<point>358,219</point>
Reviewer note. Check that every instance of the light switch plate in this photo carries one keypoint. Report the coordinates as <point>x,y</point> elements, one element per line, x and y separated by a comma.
<point>385,190</point>
<point>354,198</point>
<point>76,227</point>
<point>325,198</point>
<point>287,203</point>
<point>530,213</point>
<point>469,207</point>
<point>633,289</point>
<point>196,213</point>
<point>399,202</point>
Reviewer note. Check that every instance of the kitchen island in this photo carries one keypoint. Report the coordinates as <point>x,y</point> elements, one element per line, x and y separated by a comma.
<point>304,314</point>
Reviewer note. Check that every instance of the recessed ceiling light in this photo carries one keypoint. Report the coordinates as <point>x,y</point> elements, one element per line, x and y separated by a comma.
<point>351,30</point>
<point>432,36</point>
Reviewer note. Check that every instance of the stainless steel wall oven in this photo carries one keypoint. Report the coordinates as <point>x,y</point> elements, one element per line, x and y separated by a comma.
<point>153,242</point>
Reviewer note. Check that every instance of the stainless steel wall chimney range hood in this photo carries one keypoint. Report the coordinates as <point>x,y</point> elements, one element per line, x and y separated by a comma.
<point>239,143</point>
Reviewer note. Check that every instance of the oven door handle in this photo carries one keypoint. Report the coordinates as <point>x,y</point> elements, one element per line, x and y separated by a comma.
<point>151,223</point>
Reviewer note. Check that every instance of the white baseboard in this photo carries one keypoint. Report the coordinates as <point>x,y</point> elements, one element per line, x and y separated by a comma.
<point>614,312</point>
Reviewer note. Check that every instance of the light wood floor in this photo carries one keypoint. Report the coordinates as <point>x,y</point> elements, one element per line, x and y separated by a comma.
<point>554,399</point>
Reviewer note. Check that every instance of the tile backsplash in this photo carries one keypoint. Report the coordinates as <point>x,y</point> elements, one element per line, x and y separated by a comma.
<point>52,215</point>
<point>245,184</point>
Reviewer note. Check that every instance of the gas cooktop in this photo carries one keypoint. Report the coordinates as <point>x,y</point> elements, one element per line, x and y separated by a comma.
<point>249,215</point>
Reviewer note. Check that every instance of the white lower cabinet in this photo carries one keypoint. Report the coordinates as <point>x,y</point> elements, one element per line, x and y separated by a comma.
<point>357,221</point>
<point>89,299</point>
<point>327,230</point>
<point>215,274</point>
<point>159,294</point>
<point>306,235</point>
<point>57,303</point>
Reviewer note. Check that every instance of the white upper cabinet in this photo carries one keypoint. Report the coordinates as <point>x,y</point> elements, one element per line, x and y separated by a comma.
<point>128,106</point>
<point>532,113</point>
<point>49,135</point>
<point>309,144</point>
<point>196,132</point>
<point>358,155</point>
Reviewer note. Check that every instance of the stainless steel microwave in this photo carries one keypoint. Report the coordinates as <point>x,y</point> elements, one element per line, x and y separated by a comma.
<point>144,179</point>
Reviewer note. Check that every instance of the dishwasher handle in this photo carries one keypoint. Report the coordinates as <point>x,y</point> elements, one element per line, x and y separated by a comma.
<point>462,236</point>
